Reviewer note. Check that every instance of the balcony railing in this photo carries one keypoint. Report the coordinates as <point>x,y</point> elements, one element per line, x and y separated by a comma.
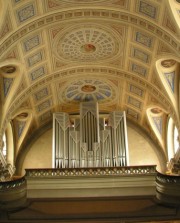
<point>12,185</point>
<point>103,171</point>
<point>167,187</point>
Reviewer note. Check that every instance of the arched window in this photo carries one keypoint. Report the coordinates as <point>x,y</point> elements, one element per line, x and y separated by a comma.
<point>176,139</point>
<point>4,150</point>
<point>172,139</point>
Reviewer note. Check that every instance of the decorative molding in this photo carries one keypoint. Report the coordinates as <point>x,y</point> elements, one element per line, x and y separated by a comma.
<point>35,58</point>
<point>32,42</point>
<point>134,102</point>
<point>41,94</point>
<point>136,90</point>
<point>143,39</point>
<point>39,72</point>
<point>147,9</point>
<point>44,105</point>
<point>138,69</point>
<point>133,114</point>
<point>25,13</point>
<point>140,55</point>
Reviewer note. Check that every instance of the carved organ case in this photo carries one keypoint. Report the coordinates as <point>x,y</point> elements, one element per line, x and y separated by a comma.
<point>90,141</point>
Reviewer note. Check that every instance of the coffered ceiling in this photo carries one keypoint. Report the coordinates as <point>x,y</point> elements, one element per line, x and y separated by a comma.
<point>56,53</point>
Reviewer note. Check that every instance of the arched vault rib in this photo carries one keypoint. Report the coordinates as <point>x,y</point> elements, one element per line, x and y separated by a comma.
<point>101,71</point>
<point>104,15</point>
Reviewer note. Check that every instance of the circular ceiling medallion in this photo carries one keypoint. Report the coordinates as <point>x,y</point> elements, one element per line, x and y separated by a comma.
<point>23,115</point>
<point>88,90</point>
<point>156,111</point>
<point>8,69</point>
<point>168,63</point>
<point>88,48</point>
<point>87,44</point>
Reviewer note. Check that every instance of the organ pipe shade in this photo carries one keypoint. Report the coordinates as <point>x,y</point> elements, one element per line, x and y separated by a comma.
<point>90,142</point>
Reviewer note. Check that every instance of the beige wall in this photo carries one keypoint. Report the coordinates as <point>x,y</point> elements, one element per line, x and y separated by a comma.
<point>141,152</point>
<point>40,154</point>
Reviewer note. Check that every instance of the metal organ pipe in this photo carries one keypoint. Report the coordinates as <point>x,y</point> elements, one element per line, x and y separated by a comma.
<point>79,146</point>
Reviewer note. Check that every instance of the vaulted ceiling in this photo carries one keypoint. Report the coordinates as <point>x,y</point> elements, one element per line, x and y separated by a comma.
<point>56,53</point>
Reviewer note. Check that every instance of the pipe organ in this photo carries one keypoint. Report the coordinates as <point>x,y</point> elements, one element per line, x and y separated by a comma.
<point>90,140</point>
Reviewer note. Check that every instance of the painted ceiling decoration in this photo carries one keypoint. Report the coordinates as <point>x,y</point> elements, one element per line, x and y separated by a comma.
<point>91,43</point>
<point>170,79</point>
<point>56,53</point>
<point>88,90</point>
<point>7,82</point>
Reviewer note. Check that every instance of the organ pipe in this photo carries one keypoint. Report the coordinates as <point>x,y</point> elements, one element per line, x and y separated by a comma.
<point>90,143</point>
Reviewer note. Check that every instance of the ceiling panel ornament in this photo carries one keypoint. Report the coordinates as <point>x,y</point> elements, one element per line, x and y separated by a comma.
<point>138,69</point>
<point>54,4</point>
<point>26,12</point>
<point>45,105</point>
<point>35,58</point>
<point>89,90</point>
<point>134,102</point>
<point>32,42</point>
<point>147,9</point>
<point>136,90</point>
<point>41,94</point>
<point>38,73</point>
<point>140,55</point>
<point>132,114</point>
<point>87,43</point>
<point>144,39</point>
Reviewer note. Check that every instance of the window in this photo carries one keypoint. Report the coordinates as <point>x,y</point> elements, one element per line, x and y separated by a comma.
<point>176,139</point>
<point>4,150</point>
<point>172,139</point>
